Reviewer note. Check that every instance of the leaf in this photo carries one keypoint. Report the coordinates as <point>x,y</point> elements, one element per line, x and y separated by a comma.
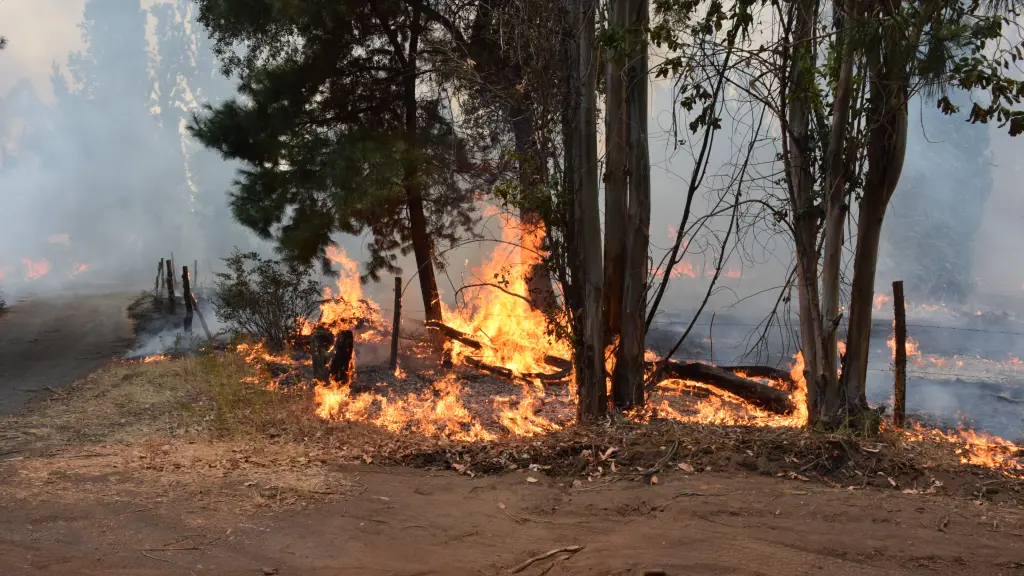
<point>654,480</point>
<point>531,479</point>
<point>893,482</point>
<point>577,484</point>
<point>501,505</point>
<point>686,468</point>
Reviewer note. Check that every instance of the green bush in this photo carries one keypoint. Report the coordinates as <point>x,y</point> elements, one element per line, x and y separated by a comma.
<point>268,299</point>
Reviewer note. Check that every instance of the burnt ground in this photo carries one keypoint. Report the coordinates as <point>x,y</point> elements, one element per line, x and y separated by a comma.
<point>48,342</point>
<point>177,468</point>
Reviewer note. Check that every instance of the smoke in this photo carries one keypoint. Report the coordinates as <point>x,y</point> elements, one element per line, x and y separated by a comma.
<point>97,172</point>
<point>98,178</point>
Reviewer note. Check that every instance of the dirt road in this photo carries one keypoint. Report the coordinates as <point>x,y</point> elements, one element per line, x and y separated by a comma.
<point>412,522</point>
<point>48,342</point>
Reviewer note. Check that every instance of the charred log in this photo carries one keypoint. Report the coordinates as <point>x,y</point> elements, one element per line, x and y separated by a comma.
<point>320,343</point>
<point>344,356</point>
<point>504,372</point>
<point>768,372</point>
<point>760,395</point>
<point>454,334</point>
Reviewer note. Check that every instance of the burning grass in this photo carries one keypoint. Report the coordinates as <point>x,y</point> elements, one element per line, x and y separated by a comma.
<point>194,424</point>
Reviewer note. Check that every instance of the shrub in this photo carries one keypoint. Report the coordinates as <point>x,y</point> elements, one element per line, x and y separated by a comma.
<point>268,299</point>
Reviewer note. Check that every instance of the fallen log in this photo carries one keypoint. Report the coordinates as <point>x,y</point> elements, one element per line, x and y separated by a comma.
<point>760,395</point>
<point>454,334</point>
<point>508,374</point>
<point>755,371</point>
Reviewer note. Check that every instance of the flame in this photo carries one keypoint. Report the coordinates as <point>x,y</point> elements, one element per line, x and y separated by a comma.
<point>733,273</point>
<point>36,268</point>
<point>498,314</point>
<point>495,312</point>
<point>79,269</point>
<point>881,300</point>
<point>912,348</point>
<point>3,273</point>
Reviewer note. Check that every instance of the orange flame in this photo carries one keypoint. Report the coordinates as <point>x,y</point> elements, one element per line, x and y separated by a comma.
<point>36,268</point>
<point>79,269</point>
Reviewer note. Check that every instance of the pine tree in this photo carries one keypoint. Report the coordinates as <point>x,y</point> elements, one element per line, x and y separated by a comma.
<point>338,131</point>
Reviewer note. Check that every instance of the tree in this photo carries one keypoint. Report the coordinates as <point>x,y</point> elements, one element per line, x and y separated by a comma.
<point>839,90</point>
<point>627,198</point>
<point>336,133</point>
<point>581,188</point>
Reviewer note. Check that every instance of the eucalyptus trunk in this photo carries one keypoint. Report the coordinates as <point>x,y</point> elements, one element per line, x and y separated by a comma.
<point>616,162</point>
<point>797,100</point>
<point>886,150</point>
<point>836,209</point>
<point>628,380</point>
<point>585,255</point>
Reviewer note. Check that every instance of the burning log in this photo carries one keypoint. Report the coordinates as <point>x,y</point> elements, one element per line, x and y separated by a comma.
<point>344,356</point>
<point>454,334</point>
<point>760,395</point>
<point>754,371</point>
<point>320,348</point>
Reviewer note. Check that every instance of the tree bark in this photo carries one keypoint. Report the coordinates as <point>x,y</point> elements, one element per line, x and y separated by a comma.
<point>628,379</point>
<point>422,244</point>
<point>835,211</point>
<point>886,149</point>
<point>585,258</point>
<point>797,100</point>
<point>616,166</point>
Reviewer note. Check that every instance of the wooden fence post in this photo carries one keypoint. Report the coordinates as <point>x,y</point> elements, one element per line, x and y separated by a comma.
<point>899,405</point>
<point>170,285</point>
<point>186,289</point>
<point>159,277</point>
<point>396,323</point>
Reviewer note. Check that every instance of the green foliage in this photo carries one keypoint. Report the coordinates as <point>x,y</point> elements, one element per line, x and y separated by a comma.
<point>268,299</point>
<point>319,127</point>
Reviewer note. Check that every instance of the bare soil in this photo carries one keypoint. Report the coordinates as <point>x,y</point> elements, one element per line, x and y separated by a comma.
<point>178,468</point>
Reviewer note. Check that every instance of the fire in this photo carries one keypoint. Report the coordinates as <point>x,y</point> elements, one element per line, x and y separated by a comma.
<point>881,300</point>
<point>35,268</point>
<point>344,307</point>
<point>495,312</point>
<point>79,269</point>
<point>975,448</point>
<point>498,314</point>
<point>733,273</point>
<point>912,347</point>
<point>3,273</point>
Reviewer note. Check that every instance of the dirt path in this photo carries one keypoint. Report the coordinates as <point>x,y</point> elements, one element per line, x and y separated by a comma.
<point>51,341</point>
<point>412,522</point>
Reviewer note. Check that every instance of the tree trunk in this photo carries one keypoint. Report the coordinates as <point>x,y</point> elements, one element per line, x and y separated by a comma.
<point>533,258</point>
<point>616,166</point>
<point>586,241</point>
<point>797,100</point>
<point>422,244</point>
<point>835,213</point>
<point>886,150</point>
<point>628,380</point>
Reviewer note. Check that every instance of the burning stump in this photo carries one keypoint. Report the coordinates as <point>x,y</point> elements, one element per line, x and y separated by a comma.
<point>320,349</point>
<point>342,363</point>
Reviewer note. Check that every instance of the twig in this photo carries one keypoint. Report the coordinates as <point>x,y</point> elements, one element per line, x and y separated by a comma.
<point>172,548</point>
<point>706,519</point>
<point>147,555</point>
<point>544,556</point>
